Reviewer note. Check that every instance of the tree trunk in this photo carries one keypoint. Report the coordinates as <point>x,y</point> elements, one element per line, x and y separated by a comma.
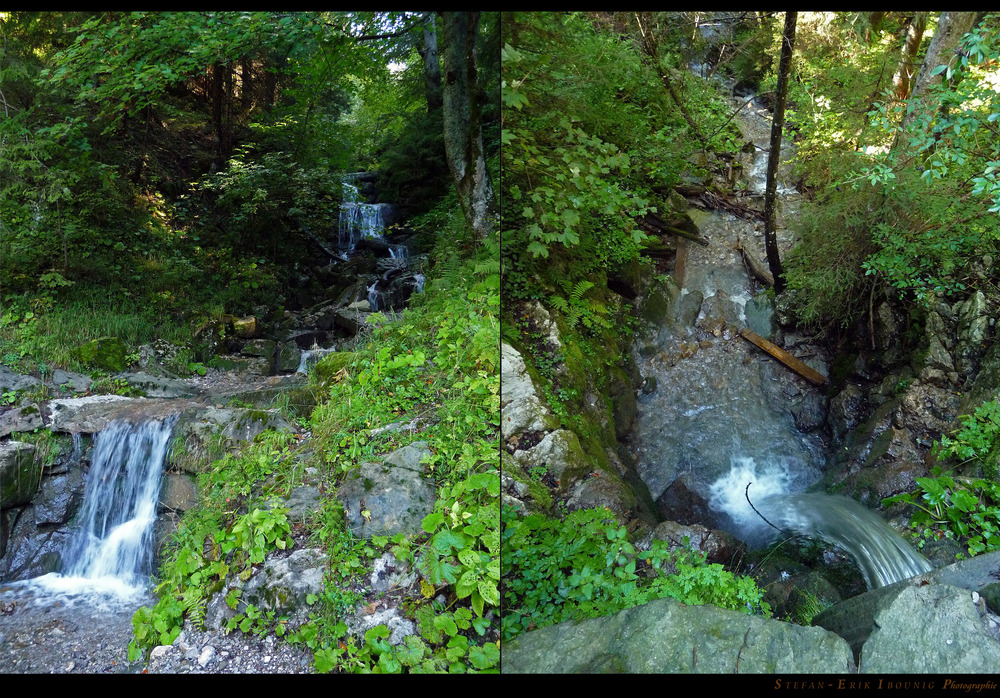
<point>246,86</point>
<point>432,66</point>
<point>902,81</point>
<point>951,27</point>
<point>216,100</point>
<point>462,112</point>
<point>777,123</point>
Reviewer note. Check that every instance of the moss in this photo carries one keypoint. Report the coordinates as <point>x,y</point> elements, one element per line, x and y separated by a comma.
<point>105,353</point>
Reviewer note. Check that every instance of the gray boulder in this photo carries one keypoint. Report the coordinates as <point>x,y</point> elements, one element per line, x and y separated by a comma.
<point>390,497</point>
<point>665,636</point>
<point>932,629</point>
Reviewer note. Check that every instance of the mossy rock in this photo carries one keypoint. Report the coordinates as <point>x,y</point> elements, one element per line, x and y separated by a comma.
<point>106,353</point>
<point>331,364</point>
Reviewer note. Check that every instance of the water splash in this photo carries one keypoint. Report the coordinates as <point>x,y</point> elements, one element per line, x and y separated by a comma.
<point>880,553</point>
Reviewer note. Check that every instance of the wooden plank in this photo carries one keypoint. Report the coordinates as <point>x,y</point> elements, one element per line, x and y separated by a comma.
<point>784,357</point>
<point>754,264</point>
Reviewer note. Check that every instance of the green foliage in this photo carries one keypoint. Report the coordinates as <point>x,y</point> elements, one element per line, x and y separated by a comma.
<point>214,541</point>
<point>584,566</point>
<point>977,441</point>
<point>967,511</point>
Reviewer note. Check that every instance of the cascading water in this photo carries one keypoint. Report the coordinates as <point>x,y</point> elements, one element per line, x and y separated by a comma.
<point>358,219</point>
<point>112,550</point>
<point>720,417</point>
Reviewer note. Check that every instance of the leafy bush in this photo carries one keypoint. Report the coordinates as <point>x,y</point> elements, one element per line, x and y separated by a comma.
<point>584,566</point>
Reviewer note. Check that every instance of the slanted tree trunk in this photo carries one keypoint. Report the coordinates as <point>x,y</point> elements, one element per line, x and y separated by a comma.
<point>902,81</point>
<point>951,27</point>
<point>777,123</point>
<point>462,115</point>
<point>432,67</point>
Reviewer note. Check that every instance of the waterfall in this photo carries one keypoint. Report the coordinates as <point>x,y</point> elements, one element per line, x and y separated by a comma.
<point>358,219</point>
<point>113,548</point>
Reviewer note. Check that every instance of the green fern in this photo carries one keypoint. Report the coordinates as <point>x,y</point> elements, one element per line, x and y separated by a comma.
<point>578,309</point>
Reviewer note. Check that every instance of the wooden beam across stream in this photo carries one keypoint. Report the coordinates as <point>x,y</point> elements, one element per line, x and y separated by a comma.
<point>784,357</point>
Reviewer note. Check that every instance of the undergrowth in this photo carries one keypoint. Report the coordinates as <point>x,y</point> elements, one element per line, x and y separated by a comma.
<point>584,566</point>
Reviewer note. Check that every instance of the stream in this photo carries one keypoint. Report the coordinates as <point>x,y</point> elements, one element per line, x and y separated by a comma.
<point>728,429</point>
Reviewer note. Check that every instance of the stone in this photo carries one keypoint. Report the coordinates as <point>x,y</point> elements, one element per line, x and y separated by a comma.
<point>159,386</point>
<point>20,475</point>
<point>665,636</point>
<point>559,452</point>
<point>12,380</point>
<point>283,583</point>
<point>390,497</point>
<point>246,327</point>
<point>107,353</point>
<point>718,546</point>
<point>932,629</point>
<point>178,492</point>
<point>289,357</point>
<point>24,418</point>
<point>77,382</point>
<point>263,348</point>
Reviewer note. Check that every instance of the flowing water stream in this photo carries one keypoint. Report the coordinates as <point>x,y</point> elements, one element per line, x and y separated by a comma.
<point>722,416</point>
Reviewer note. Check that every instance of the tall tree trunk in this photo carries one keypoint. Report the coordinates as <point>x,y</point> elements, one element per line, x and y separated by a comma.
<point>951,27</point>
<point>777,123</point>
<point>246,85</point>
<point>216,100</point>
<point>432,66</point>
<point>902,81</point>
<point>462,115</point>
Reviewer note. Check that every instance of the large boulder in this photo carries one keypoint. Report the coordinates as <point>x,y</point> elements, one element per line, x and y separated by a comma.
<point>389,497</point>
<point>665,636</point>
<point>934,629</point>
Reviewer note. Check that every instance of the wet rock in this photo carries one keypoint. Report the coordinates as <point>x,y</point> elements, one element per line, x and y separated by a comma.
<point>623,403</point>
<point>289,356</point>
<point>688,306</point>
<point>59,498</point>
<point>809,412</point>
<point>683,503</point>
<point>20,474</point>
<point>847,410</point>
<point>32,551</point>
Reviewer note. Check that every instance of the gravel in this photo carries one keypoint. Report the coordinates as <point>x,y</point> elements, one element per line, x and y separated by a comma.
<point>55,634</point>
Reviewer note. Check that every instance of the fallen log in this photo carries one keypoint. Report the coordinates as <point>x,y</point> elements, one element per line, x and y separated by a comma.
<point>754,265</point>
<point>653,224</point>
<point>810,374</point>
